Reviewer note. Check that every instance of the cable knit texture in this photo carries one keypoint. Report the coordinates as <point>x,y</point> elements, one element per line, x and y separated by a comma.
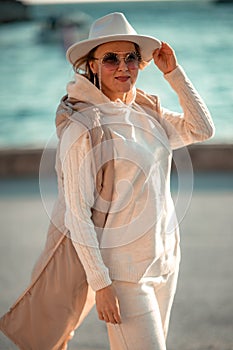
<point>113,165</point>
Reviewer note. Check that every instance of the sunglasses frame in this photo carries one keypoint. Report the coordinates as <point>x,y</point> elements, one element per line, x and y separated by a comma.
<point>115,64</point>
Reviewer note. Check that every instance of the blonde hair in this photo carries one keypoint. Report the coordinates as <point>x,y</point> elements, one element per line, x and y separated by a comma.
<point>82,66</point>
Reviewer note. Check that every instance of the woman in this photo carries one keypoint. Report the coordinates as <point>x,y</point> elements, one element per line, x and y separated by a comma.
<point>114,205</point>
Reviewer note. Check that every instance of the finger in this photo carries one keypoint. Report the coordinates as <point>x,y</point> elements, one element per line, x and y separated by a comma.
<point>168,49</point>
<point>164,48</point>
<point>156,52</point>
<point>101,316</point>
<point>107,318</point>
<point>111,318</point>
<point>104,317</point>
<point>165,45</point>
<point>117,312</point>
<point>117,317</point>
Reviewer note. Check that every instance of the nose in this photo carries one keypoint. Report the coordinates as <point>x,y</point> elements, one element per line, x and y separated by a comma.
<point>122,66</point>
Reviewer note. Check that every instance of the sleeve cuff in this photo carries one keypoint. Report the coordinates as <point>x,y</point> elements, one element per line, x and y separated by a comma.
<point>99,281</point>
<point>178,72</point>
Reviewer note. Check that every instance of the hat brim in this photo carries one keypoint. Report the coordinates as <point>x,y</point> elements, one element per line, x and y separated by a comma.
<point>147,45</point>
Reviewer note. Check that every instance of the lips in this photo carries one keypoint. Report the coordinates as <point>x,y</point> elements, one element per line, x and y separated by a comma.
<point>123,79</point>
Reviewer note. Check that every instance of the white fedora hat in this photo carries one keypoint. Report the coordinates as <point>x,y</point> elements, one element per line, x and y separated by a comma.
<point>113,27</point>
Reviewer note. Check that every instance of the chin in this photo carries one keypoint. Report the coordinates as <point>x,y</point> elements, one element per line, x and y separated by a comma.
<point>125,89</point>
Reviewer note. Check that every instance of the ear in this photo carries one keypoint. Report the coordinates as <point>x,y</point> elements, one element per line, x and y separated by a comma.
<point>93,66</point>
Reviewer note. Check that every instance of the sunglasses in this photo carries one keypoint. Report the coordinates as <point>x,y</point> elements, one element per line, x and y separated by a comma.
<point>112,60</point>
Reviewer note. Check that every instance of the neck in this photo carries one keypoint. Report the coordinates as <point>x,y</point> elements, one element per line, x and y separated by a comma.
<point>122,97</point>
<point>117,96</point>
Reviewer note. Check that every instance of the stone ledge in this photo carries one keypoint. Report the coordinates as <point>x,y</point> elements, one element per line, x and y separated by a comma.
<point>19,163</point>
<point>212,157</point>
<point>26,162</point>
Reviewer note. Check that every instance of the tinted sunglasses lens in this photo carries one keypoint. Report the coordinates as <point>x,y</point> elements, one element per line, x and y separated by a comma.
<point>132,60</point>
<point>110,60</point>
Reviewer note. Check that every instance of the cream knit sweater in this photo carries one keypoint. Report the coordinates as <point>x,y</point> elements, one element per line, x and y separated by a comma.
<point>140,236</point>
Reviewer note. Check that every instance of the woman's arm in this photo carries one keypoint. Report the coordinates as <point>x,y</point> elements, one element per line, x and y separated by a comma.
<point>195,123</point>
<point>79,189</point>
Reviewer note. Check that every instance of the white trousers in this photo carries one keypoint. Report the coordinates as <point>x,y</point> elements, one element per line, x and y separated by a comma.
<point>145,311</point>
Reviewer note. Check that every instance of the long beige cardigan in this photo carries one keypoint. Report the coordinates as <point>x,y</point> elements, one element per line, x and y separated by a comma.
<point>58,297</point>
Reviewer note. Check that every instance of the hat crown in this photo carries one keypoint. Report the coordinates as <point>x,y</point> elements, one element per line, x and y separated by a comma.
<point>112,27</point>
<point>112,24</point>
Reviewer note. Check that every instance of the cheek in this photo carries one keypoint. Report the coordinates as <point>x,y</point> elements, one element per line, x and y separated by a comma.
<point>134,75</point>
<point>107,76</point>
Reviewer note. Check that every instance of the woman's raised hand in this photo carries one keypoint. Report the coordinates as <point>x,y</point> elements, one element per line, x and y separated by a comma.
<point>165,58</point>
<point>107,305</point>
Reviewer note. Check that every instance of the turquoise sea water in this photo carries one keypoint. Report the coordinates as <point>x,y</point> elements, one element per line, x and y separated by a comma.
<point>34,74</point>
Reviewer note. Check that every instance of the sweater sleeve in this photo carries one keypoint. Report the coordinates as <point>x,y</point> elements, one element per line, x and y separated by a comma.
<point>79,187</point>
<point>195,123</point>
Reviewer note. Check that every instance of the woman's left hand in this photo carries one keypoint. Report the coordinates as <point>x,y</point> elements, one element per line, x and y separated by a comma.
<point>165,58</point>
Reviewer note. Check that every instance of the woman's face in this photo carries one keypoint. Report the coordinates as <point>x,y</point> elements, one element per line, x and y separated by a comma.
<point>116,81</point>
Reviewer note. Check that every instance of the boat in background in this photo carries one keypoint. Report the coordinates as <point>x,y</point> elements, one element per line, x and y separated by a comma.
<point>65,30</point>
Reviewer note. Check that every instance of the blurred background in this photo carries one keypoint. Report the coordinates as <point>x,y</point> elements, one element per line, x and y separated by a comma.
<point>34,36</point>
<point>34,71</point>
